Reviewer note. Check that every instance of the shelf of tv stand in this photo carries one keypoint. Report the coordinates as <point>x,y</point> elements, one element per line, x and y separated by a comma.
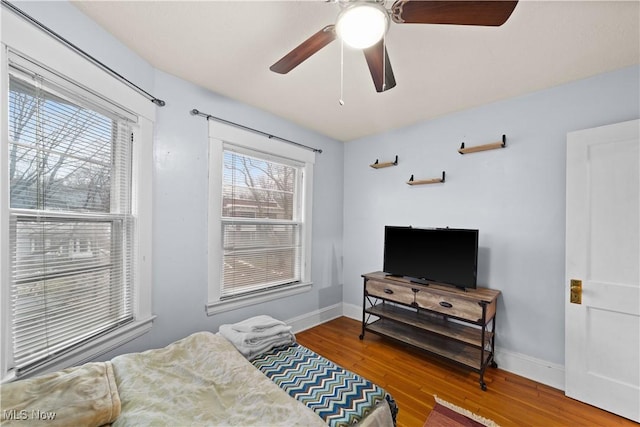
<point>437,345</point>
<point>424,321</point>
<point>454,324</point>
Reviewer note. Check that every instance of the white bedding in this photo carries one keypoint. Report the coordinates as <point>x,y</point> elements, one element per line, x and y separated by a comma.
<point>202,380</point>
<point>199,380</point>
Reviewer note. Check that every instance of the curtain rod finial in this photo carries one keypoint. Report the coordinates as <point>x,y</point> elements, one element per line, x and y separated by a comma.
<point>159,102</point>
<point>194,112</point>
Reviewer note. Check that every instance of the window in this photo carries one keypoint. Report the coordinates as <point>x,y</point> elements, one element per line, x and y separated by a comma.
<point>70,221</point>
<point>259,218</point>
<point>75,214</point>
<point>260,224</point>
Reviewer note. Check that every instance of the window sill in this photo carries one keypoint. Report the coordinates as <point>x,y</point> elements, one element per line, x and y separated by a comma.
<point>221,306</point>
<point>90,350</point>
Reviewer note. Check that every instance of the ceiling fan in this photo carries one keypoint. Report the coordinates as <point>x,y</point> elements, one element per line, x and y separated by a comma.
<point>362,24</point>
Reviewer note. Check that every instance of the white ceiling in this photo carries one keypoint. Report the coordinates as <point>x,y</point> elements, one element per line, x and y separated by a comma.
<point>228,46</point>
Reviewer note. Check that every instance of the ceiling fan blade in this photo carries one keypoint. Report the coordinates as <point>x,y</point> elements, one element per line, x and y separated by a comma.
<point>457,12</point>
<point>380,66</point>
<point>303,51</point>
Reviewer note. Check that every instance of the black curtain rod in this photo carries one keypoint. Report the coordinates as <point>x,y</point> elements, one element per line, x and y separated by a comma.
<point>195,112</point>
<point>19,12</point>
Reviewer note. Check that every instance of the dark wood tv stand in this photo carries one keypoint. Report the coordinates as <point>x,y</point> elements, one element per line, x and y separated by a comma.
<point>454,324</point>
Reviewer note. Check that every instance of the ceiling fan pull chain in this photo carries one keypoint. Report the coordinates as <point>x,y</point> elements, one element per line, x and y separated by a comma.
<point>341,101</point>
<point>384,62</point>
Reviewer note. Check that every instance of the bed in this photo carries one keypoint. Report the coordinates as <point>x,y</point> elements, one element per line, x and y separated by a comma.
<point>201,380</point>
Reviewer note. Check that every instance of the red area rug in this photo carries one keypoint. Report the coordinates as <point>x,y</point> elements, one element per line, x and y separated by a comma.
<point>446,414</point>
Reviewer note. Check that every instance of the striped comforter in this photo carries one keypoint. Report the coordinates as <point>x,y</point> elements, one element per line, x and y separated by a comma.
<point>338,396</point>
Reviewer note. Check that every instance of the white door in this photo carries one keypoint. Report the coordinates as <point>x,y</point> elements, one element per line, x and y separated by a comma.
<point>602,332</point>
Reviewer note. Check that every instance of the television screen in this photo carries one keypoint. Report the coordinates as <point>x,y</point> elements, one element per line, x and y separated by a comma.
<point>432,255</point>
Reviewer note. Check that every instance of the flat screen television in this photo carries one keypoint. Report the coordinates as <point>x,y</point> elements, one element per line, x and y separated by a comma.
<point>446,256</point>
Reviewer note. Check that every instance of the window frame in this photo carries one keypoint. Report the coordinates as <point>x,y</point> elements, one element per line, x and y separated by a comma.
<point>224,136</point>
<point>23,39</point>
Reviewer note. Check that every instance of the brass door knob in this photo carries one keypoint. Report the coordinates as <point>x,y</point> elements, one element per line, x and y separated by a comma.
<point>575,296</point>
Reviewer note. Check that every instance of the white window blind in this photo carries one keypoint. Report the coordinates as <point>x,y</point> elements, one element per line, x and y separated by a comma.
<point>71,228</point>
<point>261,222</point>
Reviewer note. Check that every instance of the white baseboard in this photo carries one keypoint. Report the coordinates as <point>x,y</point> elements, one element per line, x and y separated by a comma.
<point>551,374</point>
<point>544,372</point>
<point>315,318</point>
<point>352,311</point>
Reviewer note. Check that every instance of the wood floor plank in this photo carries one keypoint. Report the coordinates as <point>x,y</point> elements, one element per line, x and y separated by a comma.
<point>414,378</point>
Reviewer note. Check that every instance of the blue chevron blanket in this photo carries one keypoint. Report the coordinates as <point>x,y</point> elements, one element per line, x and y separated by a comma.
<point>339,397</point>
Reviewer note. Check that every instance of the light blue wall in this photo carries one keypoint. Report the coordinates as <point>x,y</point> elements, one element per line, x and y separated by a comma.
<point>180,213</point>
<point>514,196</point>
<point>180,189</point>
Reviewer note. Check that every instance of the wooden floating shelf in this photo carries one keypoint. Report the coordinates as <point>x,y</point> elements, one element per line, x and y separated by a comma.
<point>426,181</point>
<point>485,147</point>
<point>378,165</point>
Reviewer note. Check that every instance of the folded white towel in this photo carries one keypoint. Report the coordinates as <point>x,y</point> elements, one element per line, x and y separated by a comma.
<point>254,346</point>
<point>257,323</point>
<point>256,337</point>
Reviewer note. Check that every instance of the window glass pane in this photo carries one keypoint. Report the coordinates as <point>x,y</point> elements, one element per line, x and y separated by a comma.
<point>260,255</point>
<point>67,283</point>
<point>255,188</point>
<point>260,228</point>
<point>60,157</point>
<point>58,247</point>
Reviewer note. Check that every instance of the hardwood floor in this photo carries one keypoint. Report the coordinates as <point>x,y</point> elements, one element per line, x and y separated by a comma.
<point>413,378</point>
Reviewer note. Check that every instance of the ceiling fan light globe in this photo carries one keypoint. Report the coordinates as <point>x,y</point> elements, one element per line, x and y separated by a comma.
<point>362,25</point>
